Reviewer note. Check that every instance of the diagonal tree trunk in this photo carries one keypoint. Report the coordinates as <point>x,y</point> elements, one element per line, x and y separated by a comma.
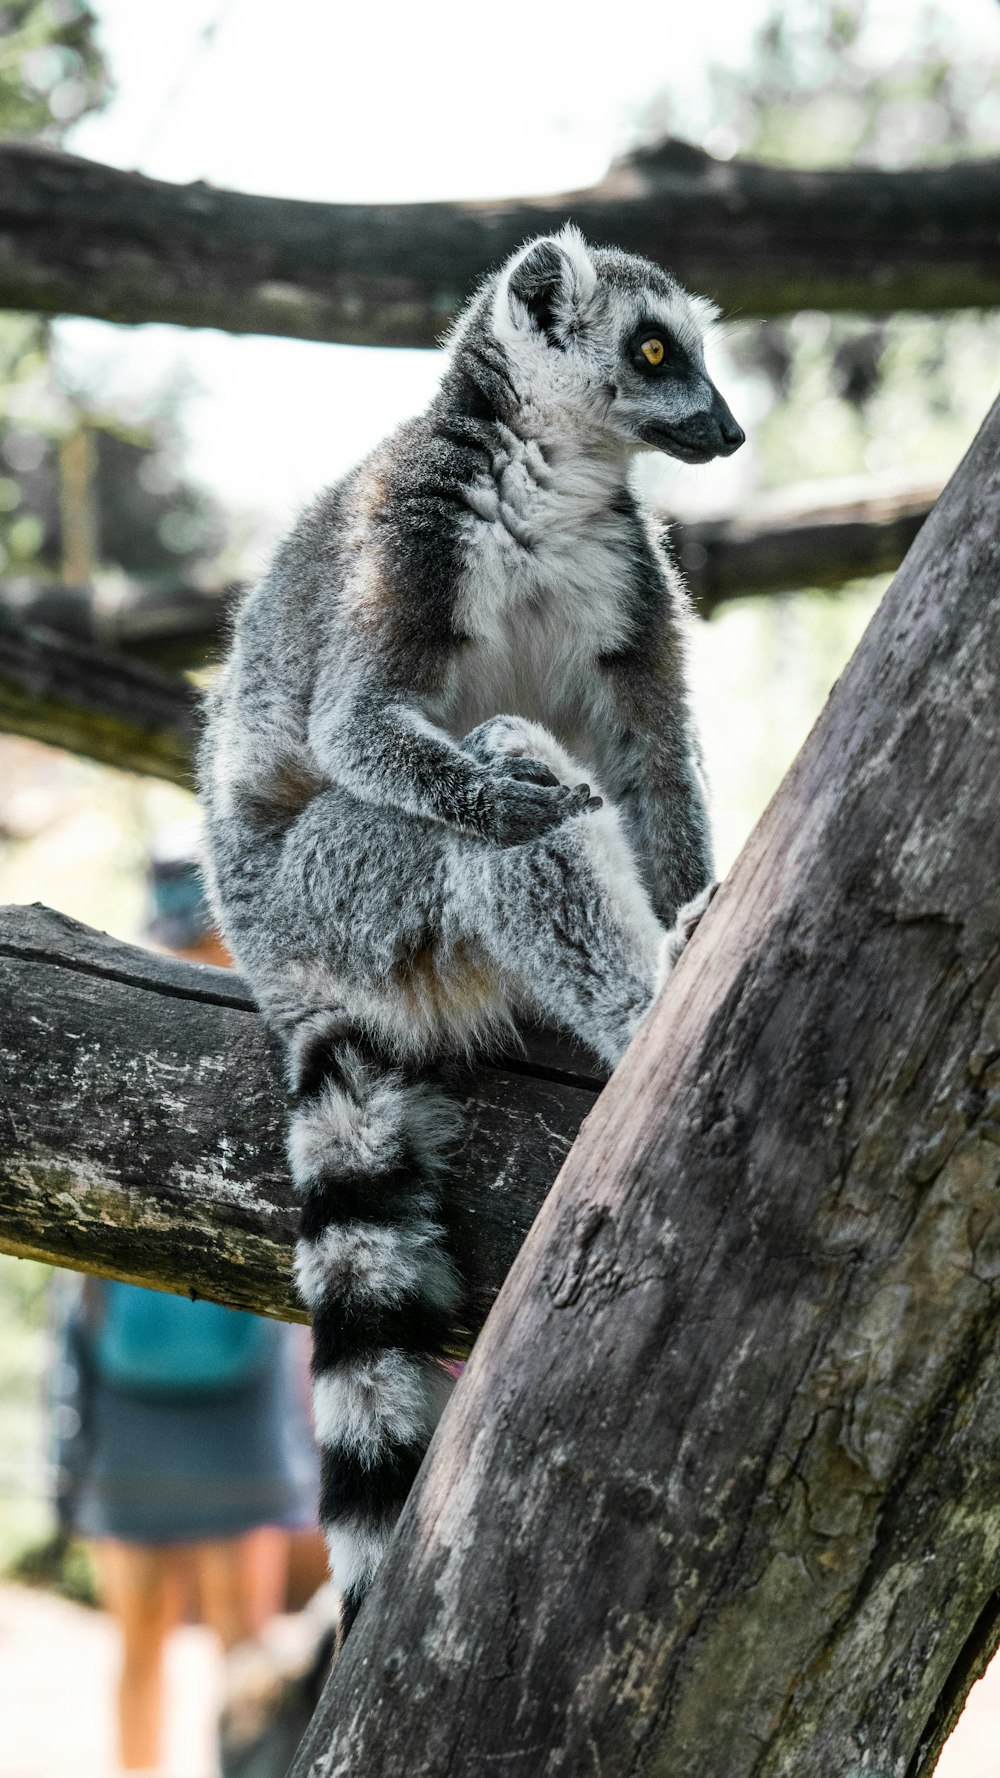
<point>718,1494</point>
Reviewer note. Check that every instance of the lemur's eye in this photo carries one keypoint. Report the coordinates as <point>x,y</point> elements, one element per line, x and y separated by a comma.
<point>653,350</point>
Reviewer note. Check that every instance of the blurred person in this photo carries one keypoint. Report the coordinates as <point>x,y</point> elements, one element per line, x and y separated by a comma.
<point>184,1455</point>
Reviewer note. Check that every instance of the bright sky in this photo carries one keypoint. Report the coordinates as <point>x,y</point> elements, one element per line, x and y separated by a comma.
<point>309,99</point>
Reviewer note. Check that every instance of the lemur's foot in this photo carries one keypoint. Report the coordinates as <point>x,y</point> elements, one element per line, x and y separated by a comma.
<point>505,740</point>
<point>686,924</point>
<point>536,786</point>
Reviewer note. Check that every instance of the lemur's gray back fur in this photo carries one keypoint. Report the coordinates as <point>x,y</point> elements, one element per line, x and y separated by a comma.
<point>400,847</point>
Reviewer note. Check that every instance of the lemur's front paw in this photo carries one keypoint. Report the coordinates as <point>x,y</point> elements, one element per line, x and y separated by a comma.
<point>521,808</point>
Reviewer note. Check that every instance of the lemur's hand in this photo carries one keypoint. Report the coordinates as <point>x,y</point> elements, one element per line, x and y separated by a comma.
<point>522,800</point>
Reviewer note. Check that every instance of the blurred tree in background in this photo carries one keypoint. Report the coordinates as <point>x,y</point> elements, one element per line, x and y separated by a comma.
<point>142,515</point>
<point>897,394</point>
<point>895,397</point>
<point>51,71</point>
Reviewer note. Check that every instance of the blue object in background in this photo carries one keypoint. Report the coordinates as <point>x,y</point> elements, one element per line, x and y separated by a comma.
<point>159,1344</point>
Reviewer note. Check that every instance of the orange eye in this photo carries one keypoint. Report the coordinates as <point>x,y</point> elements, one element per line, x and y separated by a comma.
<point>652,351</point>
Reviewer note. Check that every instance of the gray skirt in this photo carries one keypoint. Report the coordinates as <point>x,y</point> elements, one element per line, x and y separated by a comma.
<point>183,1470</point>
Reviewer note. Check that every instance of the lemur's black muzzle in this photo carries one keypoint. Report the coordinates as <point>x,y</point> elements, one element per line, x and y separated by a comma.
<point>711,432</point>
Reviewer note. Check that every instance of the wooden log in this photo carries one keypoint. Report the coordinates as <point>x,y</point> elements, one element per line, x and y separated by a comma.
<point>717,1494</point>
<point>93,702</point>
<point>164,623</point>
<point>78,238</point>
<point>141,1126</point>
<point>801,542</point>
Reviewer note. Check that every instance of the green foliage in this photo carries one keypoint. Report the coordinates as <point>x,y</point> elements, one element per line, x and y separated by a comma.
<point>898,396</point>
<point>51,71</point>
<point>24,1310</point>
<point>828,85</point>
<point>60,1564</point>
<point>838,83</point>
<point>828,88</point>
<point>51,74</point>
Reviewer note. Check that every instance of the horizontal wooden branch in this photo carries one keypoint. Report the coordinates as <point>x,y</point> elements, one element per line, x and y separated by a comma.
<point>167,624</point>
<point>69,684</point>
<point>141,1126</point>
<point>96,703</point>
<point>801,542</point>
<point>79,238</point>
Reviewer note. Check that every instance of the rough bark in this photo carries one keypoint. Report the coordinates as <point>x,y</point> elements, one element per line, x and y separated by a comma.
<point>717,1496</point>
<point>140,1126</point>
<point>93,702</point>
<point>83,239</point>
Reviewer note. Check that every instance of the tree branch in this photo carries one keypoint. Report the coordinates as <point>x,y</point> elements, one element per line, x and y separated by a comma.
<point>96,703</point>
<point>141,1126</point>
<point>78,238</point>
<point>797,543</point>
<point>73,690</point>
<point>717,1492</point>
<point>166,624</point>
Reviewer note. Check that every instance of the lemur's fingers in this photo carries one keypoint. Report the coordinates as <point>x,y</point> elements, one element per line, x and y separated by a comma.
<point>520,810</point>
<point>531,769</point>
<point>690,915</point>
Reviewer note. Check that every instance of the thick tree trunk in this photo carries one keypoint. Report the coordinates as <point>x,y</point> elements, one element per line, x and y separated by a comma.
<point>141,1126</point>
<point>77,238</point>
<point>717,1496</point>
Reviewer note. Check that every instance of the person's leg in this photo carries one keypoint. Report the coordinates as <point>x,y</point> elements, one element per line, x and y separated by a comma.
<point>241,1582</point>
<point>267,1558</point>
<point>139,1586</point>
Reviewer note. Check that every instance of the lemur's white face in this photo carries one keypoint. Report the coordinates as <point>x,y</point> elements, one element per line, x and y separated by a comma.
<point>611,340</point>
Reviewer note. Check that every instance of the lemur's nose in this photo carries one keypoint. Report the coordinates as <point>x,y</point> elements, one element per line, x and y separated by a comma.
<point>733,434</point>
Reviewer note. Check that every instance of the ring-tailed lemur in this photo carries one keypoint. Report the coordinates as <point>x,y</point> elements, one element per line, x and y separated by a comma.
<point>400,770</point>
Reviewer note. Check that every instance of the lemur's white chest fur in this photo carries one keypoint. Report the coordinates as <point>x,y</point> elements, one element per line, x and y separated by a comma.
<point>543,592</point>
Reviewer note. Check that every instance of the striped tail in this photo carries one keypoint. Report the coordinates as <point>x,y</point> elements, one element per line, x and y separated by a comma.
<point>367,1146</point>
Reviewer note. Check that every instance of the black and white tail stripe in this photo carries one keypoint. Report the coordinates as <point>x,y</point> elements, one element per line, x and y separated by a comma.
<point>367,1146</point>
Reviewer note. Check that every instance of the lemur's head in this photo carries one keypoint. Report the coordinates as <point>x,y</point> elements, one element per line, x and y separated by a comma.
<point>607,338</point>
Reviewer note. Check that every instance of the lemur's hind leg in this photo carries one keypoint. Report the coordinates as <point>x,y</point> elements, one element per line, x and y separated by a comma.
<point>565,917</point>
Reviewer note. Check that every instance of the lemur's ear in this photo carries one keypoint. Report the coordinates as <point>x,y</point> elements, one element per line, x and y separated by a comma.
<point>549,285</point>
